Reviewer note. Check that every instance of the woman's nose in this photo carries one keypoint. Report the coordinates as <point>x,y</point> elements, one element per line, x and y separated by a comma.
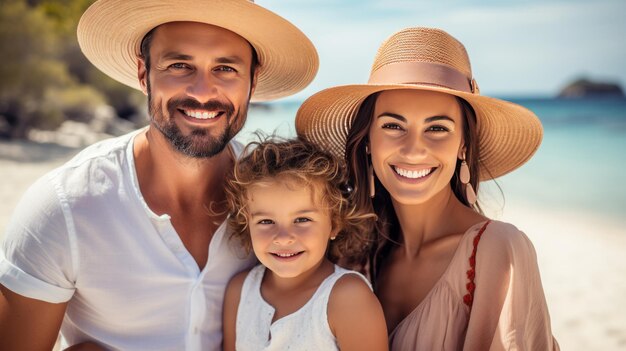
<point>413,145</point>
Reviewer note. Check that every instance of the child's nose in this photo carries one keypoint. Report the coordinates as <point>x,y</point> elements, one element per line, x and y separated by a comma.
<point>283,237</point>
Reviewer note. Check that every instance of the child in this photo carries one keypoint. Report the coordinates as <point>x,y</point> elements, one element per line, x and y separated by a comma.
<point>287,202</point>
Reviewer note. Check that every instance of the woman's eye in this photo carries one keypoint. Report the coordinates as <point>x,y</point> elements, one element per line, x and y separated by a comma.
<point>438,129</point>
<point>393,126</point>
<point>265,221</point>
<point>302,220</point>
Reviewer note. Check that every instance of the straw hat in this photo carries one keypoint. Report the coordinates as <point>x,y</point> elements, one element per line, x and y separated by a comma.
<point>426,59</point>
<point>110,34</point>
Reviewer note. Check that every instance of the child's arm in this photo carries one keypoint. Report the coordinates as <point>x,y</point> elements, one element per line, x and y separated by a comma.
<point>356,317</point>
<point>231,305</point>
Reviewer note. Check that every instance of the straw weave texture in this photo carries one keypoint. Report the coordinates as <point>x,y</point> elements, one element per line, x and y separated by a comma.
<point>423,45</point>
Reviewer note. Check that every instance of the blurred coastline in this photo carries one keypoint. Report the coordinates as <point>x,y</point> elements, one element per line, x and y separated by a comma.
<point>569,199</point>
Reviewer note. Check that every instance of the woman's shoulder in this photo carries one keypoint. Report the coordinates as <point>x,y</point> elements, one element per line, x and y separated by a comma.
<point>503,233</point>
<point>505,240</point>
<point>502,249</point>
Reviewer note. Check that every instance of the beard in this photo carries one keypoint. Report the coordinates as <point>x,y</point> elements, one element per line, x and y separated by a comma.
<point>199,143</point>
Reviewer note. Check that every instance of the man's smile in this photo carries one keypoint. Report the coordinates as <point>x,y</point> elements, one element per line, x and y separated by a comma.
<point>202,114</point>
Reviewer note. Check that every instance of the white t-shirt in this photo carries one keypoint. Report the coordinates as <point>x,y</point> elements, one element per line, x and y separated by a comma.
<point>84,234</point>
<point>305,329</point>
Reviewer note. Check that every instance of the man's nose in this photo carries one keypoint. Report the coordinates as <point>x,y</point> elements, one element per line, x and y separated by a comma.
<point>203,87</point>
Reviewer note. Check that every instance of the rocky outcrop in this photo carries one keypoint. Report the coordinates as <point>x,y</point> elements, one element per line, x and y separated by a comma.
<point>583,88</point>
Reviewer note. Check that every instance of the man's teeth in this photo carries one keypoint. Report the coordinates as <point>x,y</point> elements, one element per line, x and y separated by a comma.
<point>286,254</point>
<point>201,114</point>
<point>413,174</point>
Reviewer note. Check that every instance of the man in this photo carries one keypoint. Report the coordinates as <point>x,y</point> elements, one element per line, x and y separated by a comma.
<point>125,245</point>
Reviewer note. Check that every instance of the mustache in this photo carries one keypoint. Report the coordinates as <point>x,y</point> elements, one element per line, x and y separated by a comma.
<point>192,104</point>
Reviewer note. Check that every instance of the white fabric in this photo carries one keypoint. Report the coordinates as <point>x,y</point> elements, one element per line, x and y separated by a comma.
<point>84,234</point>
<point>305,329</point>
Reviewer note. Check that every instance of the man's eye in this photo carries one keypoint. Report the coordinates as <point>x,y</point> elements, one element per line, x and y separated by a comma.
<point>179,65</point>
<point>225,69</point>
<point>302,220</point>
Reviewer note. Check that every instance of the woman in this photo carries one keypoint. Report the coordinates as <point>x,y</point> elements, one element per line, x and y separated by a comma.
<point>448,277</point>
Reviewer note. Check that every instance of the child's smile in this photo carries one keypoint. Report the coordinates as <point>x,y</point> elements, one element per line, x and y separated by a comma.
<point>289,227</point>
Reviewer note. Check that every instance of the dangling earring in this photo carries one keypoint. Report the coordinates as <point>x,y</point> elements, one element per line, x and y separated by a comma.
<point>464,177</point>
<point>370,174</point>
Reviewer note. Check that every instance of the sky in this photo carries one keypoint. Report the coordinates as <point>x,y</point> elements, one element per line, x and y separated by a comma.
<point>516,48</point>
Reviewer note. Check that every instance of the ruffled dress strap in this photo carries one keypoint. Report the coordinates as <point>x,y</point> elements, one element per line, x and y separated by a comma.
<point>468,299</point>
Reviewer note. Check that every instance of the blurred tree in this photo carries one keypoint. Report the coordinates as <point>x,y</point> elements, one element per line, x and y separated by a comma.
<point>28,67</point>
<point>44,77</point>
<point>65,15</point>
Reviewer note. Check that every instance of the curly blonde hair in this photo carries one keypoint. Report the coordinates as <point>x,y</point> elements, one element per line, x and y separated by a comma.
<point>299,162</point>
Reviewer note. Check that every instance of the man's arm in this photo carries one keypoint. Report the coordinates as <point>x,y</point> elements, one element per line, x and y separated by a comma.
<point>28,324</point>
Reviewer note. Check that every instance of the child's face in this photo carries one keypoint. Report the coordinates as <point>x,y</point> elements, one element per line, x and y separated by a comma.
<point>289,228</point>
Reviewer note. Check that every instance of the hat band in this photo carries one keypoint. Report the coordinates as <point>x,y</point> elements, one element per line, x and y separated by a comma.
<point>421,73</point>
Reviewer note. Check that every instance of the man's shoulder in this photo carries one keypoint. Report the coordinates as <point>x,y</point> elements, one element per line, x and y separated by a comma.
<point>112,148</point>
<point>98,167</point>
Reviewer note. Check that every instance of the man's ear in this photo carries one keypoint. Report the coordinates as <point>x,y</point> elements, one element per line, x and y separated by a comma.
<point>142,75</point>
<point>255,78</point>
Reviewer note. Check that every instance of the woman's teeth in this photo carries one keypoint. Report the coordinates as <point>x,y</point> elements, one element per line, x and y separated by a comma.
<point>413,174</point>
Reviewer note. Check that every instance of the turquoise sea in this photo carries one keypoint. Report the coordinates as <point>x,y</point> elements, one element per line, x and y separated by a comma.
<point>580,166</point>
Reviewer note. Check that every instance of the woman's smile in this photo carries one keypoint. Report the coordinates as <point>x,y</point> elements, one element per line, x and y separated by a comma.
<point>412,174</point>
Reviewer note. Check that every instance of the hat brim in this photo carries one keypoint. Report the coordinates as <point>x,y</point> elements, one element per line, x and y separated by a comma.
<point>508,134</point>
<point>110,34</point>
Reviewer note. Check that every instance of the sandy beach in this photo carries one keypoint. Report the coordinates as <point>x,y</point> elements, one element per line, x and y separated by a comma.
<point>581,256</point>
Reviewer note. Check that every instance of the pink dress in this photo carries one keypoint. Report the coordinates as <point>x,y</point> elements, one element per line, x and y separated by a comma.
<point>489,297</point>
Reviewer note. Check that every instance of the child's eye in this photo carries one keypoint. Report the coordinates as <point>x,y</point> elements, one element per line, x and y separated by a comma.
<point>265,221</point>
<point>302,220</point>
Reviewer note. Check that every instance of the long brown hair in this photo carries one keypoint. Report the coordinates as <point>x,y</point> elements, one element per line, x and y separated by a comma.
<point>387,228</point>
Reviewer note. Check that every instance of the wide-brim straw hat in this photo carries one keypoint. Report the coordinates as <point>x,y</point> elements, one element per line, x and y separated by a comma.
<point>426,59</point>
<point>110,34</point>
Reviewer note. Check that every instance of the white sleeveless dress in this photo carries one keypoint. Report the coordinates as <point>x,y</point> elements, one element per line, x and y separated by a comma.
<point>305,329</point>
